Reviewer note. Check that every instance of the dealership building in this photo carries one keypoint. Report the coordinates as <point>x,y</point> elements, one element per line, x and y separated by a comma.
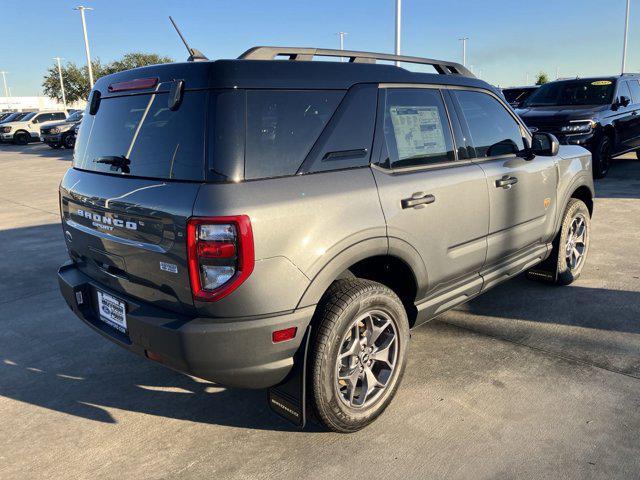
<point>25,104</point>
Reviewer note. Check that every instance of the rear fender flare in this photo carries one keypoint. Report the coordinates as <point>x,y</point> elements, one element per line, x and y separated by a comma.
<point>359,251</point>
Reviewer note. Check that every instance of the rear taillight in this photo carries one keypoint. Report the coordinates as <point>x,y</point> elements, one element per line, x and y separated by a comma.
<point>220,253</point>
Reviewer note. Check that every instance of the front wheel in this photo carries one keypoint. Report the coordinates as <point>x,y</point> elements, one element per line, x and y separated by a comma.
<point>21,138</point>
<point>573,242</point>
<point>358,354</point>
<point>69,142</point>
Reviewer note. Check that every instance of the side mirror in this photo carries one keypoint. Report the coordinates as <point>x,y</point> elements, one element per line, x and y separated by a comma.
<point>544,144</point>
<point>625,101</point>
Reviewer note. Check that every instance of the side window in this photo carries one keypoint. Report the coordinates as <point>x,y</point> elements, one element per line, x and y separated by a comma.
<point>416,127</point>
<point>623,90</point>
<point>635,90</point>
<point>282,126</point>
<point>59,116</point>
<point>493,130</point>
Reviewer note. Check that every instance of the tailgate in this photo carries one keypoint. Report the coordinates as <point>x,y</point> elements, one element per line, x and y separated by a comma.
<point>130,234</point>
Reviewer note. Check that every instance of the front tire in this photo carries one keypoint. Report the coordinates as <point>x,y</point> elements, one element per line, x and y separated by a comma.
<point>573,242</point>
<point>21,138</point>
<point>69,142</point>
<point>358,354</point>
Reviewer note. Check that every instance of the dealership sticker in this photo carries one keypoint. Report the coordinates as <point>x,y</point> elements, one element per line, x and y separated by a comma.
<point>601,82</point>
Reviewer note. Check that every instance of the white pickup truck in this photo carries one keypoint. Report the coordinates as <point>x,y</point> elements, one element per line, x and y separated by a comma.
<point>27,129</point>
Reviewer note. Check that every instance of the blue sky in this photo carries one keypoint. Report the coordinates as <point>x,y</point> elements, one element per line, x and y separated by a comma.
<point>508,38</point>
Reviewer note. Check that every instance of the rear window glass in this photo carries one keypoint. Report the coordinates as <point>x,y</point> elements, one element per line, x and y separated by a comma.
<point>137,135</point>
<point>282,126</point>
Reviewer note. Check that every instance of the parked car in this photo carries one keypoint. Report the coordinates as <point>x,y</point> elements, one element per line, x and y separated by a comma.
<point>27,128</point>
<point>61,134</point>
<point>4,115</point>
<point>13,117</point>
<point>600,114</point>
<point>516,96</point>
<point>253,222</point>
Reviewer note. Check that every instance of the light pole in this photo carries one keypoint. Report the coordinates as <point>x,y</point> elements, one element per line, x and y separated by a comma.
<point>626,33</point>
<point>342,34</point>
<point>64,97</point>
<point>464,50</point>
<point>86,42</point>
<point>398,27</point>
<point>4,79</point>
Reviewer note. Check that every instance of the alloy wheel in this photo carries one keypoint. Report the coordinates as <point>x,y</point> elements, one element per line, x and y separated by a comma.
<point>576,245</point>
<point>366,359</point>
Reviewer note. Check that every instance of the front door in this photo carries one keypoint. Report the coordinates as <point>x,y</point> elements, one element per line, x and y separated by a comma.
<point>432,201</point>
<point>522,193</point>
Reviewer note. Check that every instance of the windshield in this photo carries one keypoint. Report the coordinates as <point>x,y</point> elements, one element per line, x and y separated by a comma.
<point>11,117</point>
<point>75,117</point>
<point>28,116</point>
<point>573,92</point>
<point>517,94</point>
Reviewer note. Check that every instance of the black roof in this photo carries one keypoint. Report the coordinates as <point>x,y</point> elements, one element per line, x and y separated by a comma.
<point>284,74</point>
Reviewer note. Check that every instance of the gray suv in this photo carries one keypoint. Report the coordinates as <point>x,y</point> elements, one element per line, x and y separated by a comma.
<point>285,224</point>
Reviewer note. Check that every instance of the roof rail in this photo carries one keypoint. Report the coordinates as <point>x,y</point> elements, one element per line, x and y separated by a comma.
<point>306,54</point>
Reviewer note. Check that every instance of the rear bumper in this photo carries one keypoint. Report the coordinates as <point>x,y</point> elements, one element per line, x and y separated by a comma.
<point>235,352</point>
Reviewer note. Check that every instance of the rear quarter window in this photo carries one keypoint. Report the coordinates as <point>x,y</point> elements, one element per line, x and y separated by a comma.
<point>282,126</point>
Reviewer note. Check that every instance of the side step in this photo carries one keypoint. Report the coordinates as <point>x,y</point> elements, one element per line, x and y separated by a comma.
<point>288,398</point>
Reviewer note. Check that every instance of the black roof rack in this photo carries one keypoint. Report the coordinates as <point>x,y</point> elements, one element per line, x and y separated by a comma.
<point>306,54</point>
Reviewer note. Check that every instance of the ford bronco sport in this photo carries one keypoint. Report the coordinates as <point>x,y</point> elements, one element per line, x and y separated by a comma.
<point>600,114</point>
<point>285,223</point>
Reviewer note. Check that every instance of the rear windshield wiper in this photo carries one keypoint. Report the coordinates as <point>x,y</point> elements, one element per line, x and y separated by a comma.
<point>116,161</point>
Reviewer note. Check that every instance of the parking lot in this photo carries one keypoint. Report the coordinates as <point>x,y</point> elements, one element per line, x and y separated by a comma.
<point>525,381</point>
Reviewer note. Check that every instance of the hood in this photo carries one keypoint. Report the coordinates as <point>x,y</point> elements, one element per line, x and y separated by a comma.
<point>14,124</point>
<point>551,115</point>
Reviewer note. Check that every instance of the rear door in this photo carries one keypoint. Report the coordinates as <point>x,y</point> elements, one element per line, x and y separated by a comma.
<point>624,119</point>
<point>432,199</point>
<point>138,166</point>
<point>522,193</point>
<point>634,87</point>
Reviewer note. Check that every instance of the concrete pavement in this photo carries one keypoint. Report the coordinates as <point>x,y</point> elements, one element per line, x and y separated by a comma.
<point>527,381</point>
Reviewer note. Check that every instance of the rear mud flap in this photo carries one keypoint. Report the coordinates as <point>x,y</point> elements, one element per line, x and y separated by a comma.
<point>288,398</point>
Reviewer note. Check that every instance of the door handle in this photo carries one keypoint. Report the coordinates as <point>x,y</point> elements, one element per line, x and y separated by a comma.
<point>417,199</point>
<point>506,182</point>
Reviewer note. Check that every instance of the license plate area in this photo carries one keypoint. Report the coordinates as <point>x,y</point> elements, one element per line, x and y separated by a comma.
<point>112,311</point>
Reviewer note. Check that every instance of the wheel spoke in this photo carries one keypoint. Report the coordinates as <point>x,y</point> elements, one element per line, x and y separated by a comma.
<point>377,331</point>
<point>354,346</point>
<point>383,354</point>
<point>369,384</point>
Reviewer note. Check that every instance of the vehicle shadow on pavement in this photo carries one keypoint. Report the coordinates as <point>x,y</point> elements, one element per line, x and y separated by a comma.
<point>136,386</point>
<point>622,181</point>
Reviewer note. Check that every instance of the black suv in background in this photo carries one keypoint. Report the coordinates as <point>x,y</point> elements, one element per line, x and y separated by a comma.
<point>62,134</point>
<point>516,96</point>
<point>600,114</point>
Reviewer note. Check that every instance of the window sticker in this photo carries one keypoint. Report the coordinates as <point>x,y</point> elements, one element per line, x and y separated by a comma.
<point>601,82</point>
<point>418,131</point>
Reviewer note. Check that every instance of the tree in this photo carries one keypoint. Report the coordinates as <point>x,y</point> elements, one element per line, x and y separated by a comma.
<point>76,78</point>
<point>542,78</point>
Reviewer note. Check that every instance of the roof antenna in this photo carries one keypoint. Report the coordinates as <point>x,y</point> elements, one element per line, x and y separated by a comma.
<point>195,55</point>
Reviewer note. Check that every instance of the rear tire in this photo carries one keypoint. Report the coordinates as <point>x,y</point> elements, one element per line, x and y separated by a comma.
<point>601,157</point>
<point>573,242</point>
<point>358,354</point>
